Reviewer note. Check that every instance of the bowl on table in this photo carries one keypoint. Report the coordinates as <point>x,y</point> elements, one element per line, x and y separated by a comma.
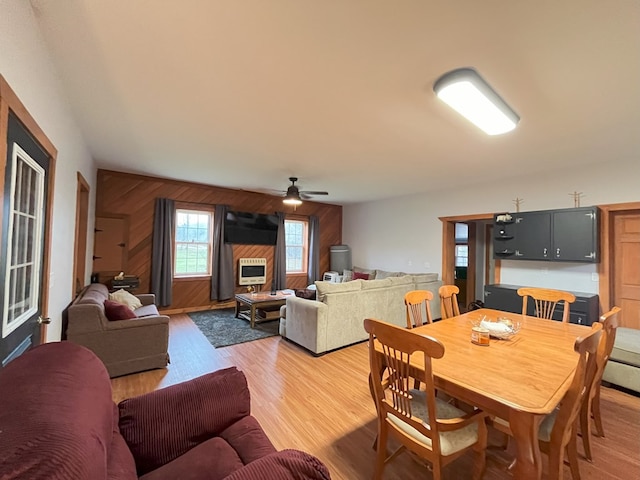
<point>502,328</point>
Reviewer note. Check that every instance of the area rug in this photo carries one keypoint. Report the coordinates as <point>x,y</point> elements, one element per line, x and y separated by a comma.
<point>222,328</point>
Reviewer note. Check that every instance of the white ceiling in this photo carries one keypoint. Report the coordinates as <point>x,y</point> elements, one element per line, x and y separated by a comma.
<point>246,93</point>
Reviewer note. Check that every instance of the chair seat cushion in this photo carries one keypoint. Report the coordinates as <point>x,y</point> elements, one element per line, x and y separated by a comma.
<point>626,348</point>
<point>283,465</point>
<point>213,459</point>
<point>544,431</point>
<point>248,439</point>
<point>450,442</point>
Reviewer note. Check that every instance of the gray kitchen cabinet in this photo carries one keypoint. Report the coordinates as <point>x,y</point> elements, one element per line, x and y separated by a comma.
<point>567,235</point>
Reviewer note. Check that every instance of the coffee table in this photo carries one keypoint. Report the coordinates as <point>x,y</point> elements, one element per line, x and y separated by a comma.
<point>248,303</point>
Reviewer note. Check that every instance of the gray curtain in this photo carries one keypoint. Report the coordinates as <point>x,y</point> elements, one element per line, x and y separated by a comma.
<point>280,257</point>
<point>222,280</point>
<point>314,249</point>
<point>162,253</point>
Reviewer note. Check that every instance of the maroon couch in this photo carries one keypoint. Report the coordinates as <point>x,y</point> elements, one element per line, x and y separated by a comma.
<point>58,421</point>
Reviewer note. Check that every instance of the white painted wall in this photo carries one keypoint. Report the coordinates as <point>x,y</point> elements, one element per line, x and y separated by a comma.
<point>405,233</point>
<point>27,67</point>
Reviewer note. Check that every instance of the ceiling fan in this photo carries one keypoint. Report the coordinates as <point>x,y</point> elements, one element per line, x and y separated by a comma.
<point>294,195</point>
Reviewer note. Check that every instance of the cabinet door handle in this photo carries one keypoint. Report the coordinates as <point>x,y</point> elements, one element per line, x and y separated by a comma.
<point>544,252</point>
<point>518,254</point>
<point>591,255</point>
<point>557,252</point>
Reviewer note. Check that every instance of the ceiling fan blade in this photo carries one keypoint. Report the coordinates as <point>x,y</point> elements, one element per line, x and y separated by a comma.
<point>314,193</point>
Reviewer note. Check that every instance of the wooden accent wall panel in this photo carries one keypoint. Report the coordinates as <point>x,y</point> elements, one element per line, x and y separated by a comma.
<point>119,193</point>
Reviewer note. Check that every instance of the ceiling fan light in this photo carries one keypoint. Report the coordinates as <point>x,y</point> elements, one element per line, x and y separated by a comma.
<point>292,200</point>
<point>465,91</point>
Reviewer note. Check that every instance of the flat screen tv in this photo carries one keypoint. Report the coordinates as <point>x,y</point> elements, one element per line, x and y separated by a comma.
<point>250,228</point>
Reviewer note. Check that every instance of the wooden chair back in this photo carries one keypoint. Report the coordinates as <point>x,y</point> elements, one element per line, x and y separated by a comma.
<point>418,310</point>
<point>564,432</point>
<point>609,323</point>
<point>591,407</point>
<point>546,300</point>
<point>449,301</point>
<point>391,350</point>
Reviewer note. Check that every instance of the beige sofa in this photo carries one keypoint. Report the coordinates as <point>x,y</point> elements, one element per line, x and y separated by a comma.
<point>335,318</point>
<point>124,346</point>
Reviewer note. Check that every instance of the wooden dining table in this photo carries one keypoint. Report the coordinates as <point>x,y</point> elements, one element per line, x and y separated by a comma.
<point>521,379</point>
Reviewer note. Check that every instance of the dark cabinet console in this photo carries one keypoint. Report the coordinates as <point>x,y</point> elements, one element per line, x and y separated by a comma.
<point>584,311</point>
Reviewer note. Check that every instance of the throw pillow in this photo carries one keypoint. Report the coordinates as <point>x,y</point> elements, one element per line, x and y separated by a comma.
<point>360,275</point>
<point>117,311</point>
<point>124,297</point>
<point>347,275</point>
<point>371,273</point>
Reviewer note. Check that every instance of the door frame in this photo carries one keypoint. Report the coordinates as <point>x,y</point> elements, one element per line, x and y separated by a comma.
<point>82,224</point>
<point>10,101</point>
<point>449,252</point>
<point>606,266</point>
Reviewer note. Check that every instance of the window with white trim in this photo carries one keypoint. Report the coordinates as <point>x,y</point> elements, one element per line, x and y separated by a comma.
<point>193,243</point>
<point>297,243</point>
<point>24,255</point>
<point>462,255</point>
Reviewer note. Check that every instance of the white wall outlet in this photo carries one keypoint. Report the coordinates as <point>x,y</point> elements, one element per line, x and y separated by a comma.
<point>427,265</point>
<point>409,263</point>
<point>594,277</point>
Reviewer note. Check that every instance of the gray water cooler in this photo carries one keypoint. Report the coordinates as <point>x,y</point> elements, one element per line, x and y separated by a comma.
<point>340,258</point>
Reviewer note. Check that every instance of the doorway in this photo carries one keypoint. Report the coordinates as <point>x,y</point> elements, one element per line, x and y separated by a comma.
<point>620,265</point>
<point>27,172</point>
<point>475,276</point>
<point>80,244</point>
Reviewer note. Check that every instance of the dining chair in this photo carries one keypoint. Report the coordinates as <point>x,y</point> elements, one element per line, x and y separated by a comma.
<point>418,310</point>
<point>423,424</point>
<point>449,301</point>
<point>558,430</point>
<point>591,406</point>
<point>546,300</point>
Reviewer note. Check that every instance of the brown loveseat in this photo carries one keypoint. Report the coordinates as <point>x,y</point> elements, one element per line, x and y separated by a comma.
<point>58,422</point>
<point>125,346</point>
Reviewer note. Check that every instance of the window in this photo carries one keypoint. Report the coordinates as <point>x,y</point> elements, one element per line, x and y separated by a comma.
<point>24,256</point>
<point>193,243</point>
<point>462,255</point>
<point>462,247</point>
<point>296,240</point>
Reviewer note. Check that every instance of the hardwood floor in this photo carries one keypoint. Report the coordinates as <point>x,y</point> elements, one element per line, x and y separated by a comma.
<point>322,405</point>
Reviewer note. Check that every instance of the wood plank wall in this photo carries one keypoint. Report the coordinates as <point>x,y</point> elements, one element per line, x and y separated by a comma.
<point>133,196</point>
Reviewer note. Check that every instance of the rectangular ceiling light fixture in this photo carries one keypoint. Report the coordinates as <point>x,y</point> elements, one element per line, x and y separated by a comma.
<point>465,91</point>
